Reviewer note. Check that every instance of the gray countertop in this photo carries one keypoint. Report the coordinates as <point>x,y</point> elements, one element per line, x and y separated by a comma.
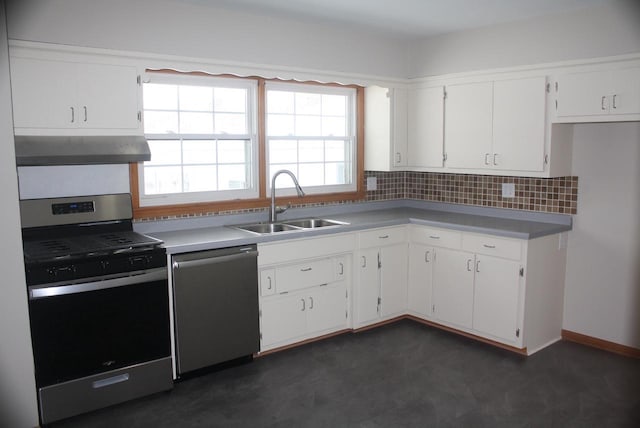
<point>507,223</point>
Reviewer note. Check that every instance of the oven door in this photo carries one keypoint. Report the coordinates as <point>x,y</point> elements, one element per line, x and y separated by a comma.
<point>82,329</point>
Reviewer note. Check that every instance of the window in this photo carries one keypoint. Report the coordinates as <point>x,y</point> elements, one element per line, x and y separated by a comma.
<point>201,132</point>
<point>217,141</point>
<point>311,131</point>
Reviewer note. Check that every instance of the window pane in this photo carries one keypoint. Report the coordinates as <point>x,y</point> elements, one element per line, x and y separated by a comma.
<point>232,177</point>
<point>308,103</point>
<point>308,126</point>
<point>335,174</point>
<point>311,174</point>
<point>334,126</point>
<point>196,98</point>
<point>311,151</point>
<point>280,124</point>
<point>283,151</point>
<point>232,151</point>
<point>335,150</point>
<point>334,105</point>
<point>198,151</point>
<point>196,123</point>
<point>230,100</point>
<point>164,152</point>
<point>230,123</point>
<point>199,178</point>
<point>161,122</point>
<point>162,179</point>
<point>280,102</point>
<point>160,96</point>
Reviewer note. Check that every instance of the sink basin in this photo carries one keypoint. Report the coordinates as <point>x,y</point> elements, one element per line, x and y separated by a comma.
<point>312,223</point>
<point>266,228</point>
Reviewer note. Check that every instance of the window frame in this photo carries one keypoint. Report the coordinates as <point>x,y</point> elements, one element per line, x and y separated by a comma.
<point>263,200</point>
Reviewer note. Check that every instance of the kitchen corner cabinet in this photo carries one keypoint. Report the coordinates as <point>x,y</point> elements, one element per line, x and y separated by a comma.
<point>58,97</point>
<point>496,125</point>
<point>425,133</point>
<point>599,95</point>
<point>381,275</point>
<point>304,289</point>
<point>385,128</point>
<point>506,290</point>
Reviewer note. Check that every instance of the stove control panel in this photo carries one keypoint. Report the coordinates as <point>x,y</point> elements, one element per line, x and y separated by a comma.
<point>73,208</point>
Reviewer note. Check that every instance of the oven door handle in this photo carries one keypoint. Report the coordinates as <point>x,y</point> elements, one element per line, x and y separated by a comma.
<point>151,275</point>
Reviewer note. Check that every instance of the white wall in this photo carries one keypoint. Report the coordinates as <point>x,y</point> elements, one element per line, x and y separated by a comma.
<point>602,297</point>
<point>589,33</point>
<point>18,406</point>
<point>190,29</point>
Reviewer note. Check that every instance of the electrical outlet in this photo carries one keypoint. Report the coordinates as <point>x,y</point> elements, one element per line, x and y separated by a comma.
<point>508,190</point>
<point>372,183</point>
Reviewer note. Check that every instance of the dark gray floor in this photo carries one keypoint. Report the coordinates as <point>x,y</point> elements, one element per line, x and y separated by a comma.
<point>400,375</point>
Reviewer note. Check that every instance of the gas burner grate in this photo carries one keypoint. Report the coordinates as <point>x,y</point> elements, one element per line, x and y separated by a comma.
<point>117,239</point>
<point>55,246</point>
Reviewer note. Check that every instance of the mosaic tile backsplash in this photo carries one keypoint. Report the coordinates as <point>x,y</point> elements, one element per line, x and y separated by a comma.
<point>553,195</point>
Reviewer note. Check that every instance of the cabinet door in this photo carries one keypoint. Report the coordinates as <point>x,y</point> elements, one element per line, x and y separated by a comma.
<point>420,270</point>
<point>453,287</point>
<point>495,302</point>
<point>393,279</point>
<point>327,308</point>
<point>283,317</point>
<point>519,124</point>
<point>107,96</point>
<point>625,98</point>
<point>44,94</point>
<point>425,131</point>
<point>583,94</point>
<point>368,286</point>
<point>399,126</point>
<point>468,125</point>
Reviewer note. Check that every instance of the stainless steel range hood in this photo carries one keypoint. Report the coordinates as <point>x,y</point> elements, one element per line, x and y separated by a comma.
<point>36,150</point>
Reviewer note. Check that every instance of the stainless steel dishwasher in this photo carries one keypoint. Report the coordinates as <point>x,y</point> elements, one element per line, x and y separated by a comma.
<point>216,306</point>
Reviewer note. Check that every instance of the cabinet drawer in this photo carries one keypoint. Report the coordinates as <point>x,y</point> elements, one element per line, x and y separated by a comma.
<point>381,237</point>
<point>303,275</point>
<point>492,246</point>
<point>436,237</point>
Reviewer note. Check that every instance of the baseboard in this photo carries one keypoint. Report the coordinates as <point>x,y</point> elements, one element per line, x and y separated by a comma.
<point>605,345</point>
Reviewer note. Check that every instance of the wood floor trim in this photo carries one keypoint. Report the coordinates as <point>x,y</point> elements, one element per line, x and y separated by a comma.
<point>605,345</point>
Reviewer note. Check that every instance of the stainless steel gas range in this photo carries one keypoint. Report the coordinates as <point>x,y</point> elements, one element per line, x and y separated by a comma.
<point>98,304</point>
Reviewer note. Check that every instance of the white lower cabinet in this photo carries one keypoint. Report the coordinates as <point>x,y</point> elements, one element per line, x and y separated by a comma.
<point>304,289</point>
<point>381,279</point>
<point>488,286</point>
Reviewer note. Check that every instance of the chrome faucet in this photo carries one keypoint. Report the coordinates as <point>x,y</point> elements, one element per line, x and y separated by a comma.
<point>274,211</point>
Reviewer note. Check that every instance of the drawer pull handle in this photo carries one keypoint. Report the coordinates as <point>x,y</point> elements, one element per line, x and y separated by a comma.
<point>486,158</point>
<point>478,266</point>
<point>426,256</point>
<point>341,271</point>
<point>469,265</point>
<point>383,236</point>
<point>269,286</point>
<point>311,300</point>
<point>85,113</point>
<point>614,101</point>
<point>73,114</point>
<point>110,381</point>
<point>364,261</point>
<point>602,103</point>
<point>304,305</point>
<point>305,269</point>
<point>488,246</point>
<point>434,237</point>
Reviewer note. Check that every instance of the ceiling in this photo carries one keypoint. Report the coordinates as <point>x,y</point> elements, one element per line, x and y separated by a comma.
<point>410,19</point>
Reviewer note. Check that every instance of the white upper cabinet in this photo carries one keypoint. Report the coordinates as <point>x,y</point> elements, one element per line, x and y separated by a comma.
<point>385,128</point>
<point>496,125</point>
<point>600,96</point>
<point>519,124</point>
<point>468,125</point>
<point>425,133</point>
<point>61,97</point>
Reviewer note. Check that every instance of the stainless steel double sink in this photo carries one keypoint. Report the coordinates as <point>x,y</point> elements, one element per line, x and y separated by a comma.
<point>289,225</point>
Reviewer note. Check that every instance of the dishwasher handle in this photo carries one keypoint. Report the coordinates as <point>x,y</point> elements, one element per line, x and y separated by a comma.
<point>213,260</point>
